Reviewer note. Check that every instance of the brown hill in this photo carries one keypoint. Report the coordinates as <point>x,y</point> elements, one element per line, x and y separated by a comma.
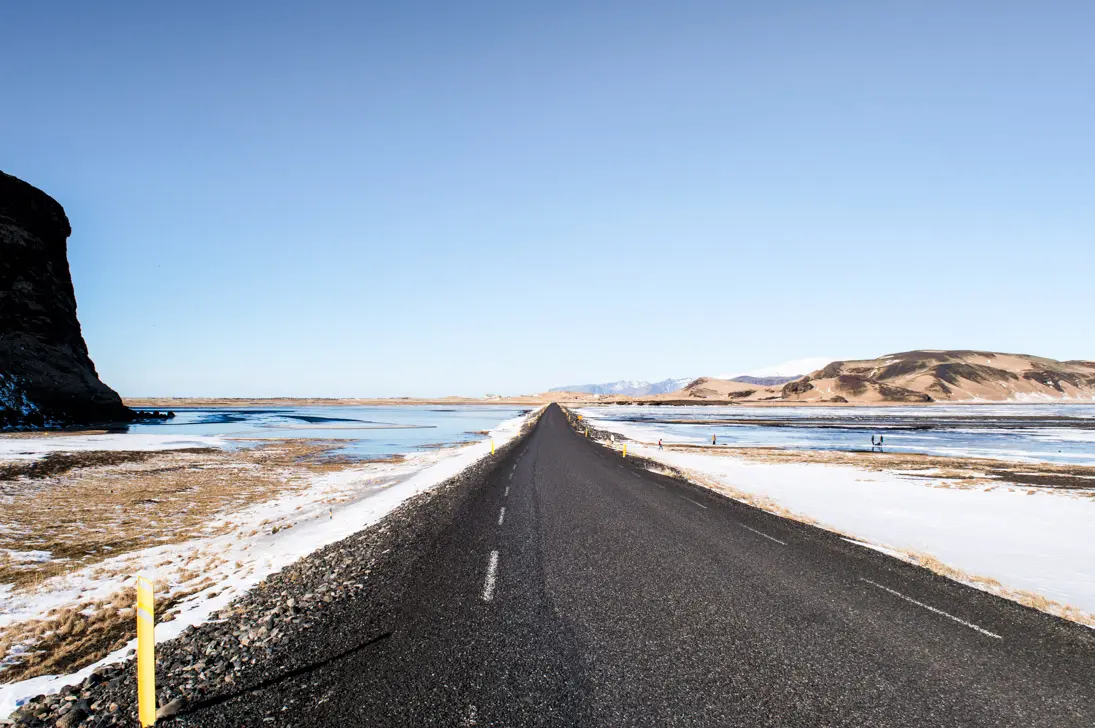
<point>706,389</point>
<point>946,376</point>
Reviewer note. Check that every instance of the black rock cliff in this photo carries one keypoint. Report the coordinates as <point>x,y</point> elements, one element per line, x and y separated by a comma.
<point>46,376</point>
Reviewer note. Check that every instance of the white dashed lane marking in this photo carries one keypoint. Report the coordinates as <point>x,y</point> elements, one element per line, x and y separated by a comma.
<point>761,533</point>
<point>492,575</point>
<point>501,515</point>
<point>701,505</point>
<point>940,612</point>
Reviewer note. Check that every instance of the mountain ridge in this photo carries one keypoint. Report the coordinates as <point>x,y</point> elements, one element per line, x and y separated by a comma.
<point>920,376</point>
<point>627,387</point>
<point>947,375</point>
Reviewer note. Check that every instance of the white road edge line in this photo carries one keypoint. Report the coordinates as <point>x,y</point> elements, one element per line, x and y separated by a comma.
<point>501,515</point>
<point>971,625</point>
<point>506,494</point>
<point>761,533</point>
<point>701,505</point>
<point>492,574</point>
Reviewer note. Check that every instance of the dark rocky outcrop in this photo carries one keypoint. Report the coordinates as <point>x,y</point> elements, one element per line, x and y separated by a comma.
<point>799,386</point>
<point>46,376</point>
<point>901,394</point>
<point>833,369</point>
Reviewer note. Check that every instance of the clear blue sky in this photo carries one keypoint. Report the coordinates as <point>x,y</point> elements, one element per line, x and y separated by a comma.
<point>350,198</point>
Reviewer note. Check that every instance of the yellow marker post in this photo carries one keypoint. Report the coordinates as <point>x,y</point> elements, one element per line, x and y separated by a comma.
<point>146,652</point>
<point>625,449</point>
<point>492,447</point>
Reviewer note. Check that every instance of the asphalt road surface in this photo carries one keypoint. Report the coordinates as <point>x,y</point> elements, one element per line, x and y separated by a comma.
<point>575,588</point>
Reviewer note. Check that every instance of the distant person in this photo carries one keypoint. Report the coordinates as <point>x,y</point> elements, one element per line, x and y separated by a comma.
<point>713,439</point>
<point>660,443</point>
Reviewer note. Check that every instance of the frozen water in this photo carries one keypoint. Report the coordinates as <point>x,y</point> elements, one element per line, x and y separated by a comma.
<point>1036,433</point>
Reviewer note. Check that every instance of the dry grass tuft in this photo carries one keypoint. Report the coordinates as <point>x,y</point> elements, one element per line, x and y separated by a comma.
<point>96,506</point>
<point>76,636</point>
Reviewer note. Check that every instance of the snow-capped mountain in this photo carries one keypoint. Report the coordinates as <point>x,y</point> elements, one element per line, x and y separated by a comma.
<point>629,387</point>
<point>791,369</point>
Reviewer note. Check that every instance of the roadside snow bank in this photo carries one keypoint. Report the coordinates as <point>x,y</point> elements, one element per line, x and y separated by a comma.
<point>263,539</point>
<point>1035,541</point>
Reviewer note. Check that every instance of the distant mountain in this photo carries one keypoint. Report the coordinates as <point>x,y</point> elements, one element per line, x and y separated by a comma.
<point>765,381</point>
<point>946,376</point>
<point>716,388</point>
<point>629,388</point>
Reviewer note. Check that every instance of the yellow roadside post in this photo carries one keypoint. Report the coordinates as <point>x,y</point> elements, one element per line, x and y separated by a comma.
<point>146,652</point>
<point>492,447</point>
<point>625,449</point>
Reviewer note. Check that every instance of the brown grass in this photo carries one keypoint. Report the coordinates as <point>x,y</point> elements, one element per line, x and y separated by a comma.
<point>1026,598</point>
<point>86,508</point>
<point>67,639</point>
<point>94,508</point>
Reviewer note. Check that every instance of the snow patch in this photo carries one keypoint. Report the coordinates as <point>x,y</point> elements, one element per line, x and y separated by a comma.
<point>786,369</point>
<point>33,448</point>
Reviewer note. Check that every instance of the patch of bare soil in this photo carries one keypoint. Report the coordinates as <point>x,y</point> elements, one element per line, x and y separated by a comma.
<point>59,463</point>
<point>38,434</point>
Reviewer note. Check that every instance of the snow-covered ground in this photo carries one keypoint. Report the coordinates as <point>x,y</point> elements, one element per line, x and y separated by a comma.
<point>33,448</point>
<point>263,539</point>
<point>1037,541</point>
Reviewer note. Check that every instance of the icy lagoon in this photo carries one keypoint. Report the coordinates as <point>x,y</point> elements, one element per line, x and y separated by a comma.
<point>367,431</point>
<point>1050,433</point>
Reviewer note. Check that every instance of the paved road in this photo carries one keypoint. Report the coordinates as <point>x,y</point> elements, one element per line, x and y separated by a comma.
<point>574,588</point>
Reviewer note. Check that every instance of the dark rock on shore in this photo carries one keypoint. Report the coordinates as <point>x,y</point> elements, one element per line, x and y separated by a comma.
<point>47,378</point>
